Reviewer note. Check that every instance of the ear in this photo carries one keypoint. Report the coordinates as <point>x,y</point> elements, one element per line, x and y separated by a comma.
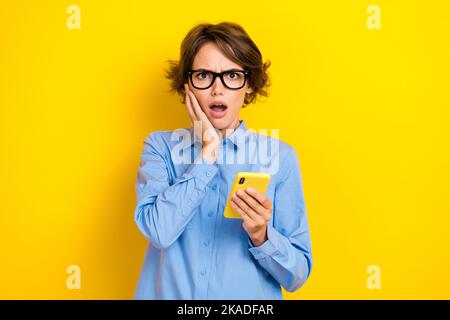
<point>249,90</point>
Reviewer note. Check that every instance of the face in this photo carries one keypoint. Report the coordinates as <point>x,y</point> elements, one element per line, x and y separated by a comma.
<point>210,57</point>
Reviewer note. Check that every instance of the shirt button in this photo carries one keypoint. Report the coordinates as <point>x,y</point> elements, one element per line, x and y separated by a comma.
<point>214,187</point>
<point>206,243</point>
<point>208,173</point>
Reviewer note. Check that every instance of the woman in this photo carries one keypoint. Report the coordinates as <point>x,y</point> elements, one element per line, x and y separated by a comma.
<point>194,251</point>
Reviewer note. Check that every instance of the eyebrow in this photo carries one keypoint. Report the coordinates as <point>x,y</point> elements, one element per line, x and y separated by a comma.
<point>206,70</point>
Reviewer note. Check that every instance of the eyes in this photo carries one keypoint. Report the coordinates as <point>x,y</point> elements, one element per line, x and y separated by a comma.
<point>232,79</point>
<point>229,75</point>
<point>202,75</point>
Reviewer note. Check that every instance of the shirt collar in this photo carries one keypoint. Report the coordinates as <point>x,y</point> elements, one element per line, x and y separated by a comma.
<point>238,137</point>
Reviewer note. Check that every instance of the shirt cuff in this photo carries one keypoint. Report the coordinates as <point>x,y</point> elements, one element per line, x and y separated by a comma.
<point>202,171</point>
<point>269,248</point>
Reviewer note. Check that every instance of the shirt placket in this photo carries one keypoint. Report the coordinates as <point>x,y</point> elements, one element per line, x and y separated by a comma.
<point>208,233</point>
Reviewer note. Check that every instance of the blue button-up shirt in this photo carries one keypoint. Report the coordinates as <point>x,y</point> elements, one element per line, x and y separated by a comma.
<point>197,253</point>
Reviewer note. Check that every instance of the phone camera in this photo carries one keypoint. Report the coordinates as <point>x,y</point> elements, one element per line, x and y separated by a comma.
<point>241,180</point>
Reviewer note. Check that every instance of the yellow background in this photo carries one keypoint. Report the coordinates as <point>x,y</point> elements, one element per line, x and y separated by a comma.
<point>367,111</point>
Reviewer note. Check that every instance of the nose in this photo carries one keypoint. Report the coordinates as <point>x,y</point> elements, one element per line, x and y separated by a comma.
<point>217,87</point>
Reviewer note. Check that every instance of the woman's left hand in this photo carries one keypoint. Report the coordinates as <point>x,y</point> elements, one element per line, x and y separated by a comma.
<point>255,210</point>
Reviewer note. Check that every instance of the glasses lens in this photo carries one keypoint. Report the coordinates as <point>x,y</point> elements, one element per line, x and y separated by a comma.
<point>232,79</point>
<point>202,79</point>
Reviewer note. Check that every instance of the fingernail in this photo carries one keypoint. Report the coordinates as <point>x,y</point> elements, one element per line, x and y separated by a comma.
<point>233,196</point>
<point>250,189</point>
<point>240,192</point>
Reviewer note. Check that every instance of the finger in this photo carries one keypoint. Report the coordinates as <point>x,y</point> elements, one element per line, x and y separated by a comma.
<point>251,202</point>
<point>247,220</point>
<point>189,102</point>
<point>196,107</point>
<point>262,199</point>
<point>189,106</point>
<point>191,113</point>
<point>249,211</point>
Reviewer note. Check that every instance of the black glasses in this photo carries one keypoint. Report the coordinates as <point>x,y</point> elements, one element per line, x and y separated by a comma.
<point>232,79</point>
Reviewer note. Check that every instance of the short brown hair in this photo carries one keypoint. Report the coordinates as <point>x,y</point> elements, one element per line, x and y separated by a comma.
<point>235,44</point>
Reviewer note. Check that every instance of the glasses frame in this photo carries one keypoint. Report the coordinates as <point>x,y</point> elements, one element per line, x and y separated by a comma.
<point>220,75</point>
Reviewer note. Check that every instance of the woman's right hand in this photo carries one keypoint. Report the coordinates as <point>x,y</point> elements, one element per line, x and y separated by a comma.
<point>208,135</point>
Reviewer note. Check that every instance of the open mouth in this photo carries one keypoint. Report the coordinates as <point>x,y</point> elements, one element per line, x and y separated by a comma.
<point>218,109</point>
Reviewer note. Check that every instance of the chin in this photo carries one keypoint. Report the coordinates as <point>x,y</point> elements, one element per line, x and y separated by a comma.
<point>219,123</point>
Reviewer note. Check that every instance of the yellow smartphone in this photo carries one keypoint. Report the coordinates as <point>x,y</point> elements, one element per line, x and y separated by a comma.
<point>255,180</point>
